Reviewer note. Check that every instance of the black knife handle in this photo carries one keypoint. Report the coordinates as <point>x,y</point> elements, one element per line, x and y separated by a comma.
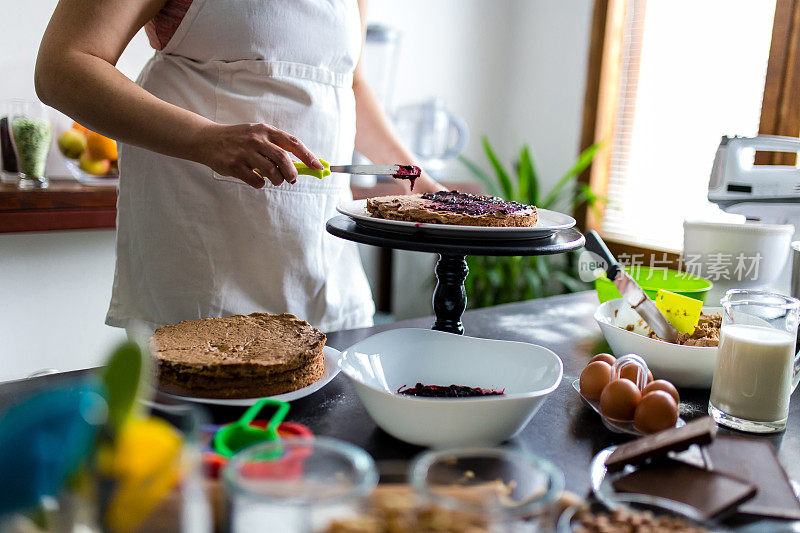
<point>596,245</point>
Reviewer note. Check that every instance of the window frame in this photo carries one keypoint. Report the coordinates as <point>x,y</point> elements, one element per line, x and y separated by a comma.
<point>780,112</point>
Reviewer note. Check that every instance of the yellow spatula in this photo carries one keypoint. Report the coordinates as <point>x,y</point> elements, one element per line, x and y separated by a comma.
<point>681,311</point>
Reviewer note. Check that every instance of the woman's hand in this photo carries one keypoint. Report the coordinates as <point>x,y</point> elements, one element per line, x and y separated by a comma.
<point>238,150</point>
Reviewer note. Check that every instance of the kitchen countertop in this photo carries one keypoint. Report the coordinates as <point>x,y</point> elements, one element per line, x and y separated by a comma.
<point>564,431</point>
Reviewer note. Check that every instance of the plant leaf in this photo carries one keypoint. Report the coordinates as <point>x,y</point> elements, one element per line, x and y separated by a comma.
<point>542,267</point>
<point>572,284</point>
<point>523,176</point>
<point>584,160</point>
<point>526,162</point>
<point>592,199</point>
<point>489,183</point>
<point>502,173</point>
<point>534,282</point>
<point>122,378</point>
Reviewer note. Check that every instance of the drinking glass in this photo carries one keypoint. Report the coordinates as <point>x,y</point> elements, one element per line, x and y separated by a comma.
<point>297,485</point>
<point>756,368</point>
<point>498,489</point>
<point>31,132</point>
<point>9,170</point>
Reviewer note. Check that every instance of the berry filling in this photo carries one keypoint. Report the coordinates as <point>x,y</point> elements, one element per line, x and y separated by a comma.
<point>448,391</point>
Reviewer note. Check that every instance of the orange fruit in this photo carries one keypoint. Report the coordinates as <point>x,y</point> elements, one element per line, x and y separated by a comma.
<point>82,129</point>
<point>100,147</point>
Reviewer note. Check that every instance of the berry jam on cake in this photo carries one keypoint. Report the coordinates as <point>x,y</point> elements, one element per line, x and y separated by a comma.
<point>453,207</point>
<point>471,204</point>
<point>449,391</point>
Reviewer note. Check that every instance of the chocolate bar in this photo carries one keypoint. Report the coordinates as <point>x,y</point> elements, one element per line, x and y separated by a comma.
<point>755,460</point>
<point>709,493</point>
<point>700,431</point>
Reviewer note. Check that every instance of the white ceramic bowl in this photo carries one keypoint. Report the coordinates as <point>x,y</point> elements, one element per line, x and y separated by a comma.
<point>379,365</point>
<point>684,366</point>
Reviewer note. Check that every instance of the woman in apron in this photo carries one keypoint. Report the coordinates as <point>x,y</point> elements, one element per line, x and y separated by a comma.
<point>234,85</point>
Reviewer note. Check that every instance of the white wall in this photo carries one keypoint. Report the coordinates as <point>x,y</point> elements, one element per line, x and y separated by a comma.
<point>22,25</point>
<point>54,293</point>
<point>514,69</point>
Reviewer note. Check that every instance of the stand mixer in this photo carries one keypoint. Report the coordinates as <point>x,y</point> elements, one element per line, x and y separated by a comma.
<point>767,193</point>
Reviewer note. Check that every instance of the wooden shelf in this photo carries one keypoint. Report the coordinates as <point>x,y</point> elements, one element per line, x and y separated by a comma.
<point>69,205</point>
<point>65,205</point>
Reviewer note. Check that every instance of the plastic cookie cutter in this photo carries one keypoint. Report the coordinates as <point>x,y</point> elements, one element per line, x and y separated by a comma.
<point>238,435</point>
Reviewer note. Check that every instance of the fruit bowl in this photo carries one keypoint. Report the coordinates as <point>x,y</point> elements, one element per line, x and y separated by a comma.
<point>90,157</point>
<point>109,179</point>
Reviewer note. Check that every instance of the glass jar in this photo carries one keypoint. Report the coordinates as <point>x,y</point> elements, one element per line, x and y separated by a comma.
<point>31,132</point>
<point>499,489</point>
<point>297,485</point>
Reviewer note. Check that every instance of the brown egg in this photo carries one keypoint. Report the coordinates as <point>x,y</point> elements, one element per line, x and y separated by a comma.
<point>619,399</point>
<point>657,411</point>
<point>666,386</point>
<point>594,378</point>
<point>607,357</point>
<point>630,372</point>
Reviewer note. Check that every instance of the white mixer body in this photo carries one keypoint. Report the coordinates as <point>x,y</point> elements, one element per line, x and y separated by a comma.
<point>767,193</point>
<point>735,179</point>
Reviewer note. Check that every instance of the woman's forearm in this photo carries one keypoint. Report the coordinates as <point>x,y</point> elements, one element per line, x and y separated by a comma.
<point>76,73</point>
<point>376,140</point>
<point>108,102</point>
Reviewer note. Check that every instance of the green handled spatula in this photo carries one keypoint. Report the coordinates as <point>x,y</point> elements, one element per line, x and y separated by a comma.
<point>396,171</point>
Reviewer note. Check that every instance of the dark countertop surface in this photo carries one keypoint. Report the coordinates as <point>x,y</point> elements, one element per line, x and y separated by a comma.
<point>564,431</point>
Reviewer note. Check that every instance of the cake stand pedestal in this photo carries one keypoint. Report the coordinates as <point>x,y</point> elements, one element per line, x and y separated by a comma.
<point>449,296</point>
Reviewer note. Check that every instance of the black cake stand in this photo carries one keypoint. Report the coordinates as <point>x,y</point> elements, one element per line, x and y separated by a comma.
<point>449,296</point>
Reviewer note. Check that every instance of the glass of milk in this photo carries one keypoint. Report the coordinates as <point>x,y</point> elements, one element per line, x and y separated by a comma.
<point>756,369</point>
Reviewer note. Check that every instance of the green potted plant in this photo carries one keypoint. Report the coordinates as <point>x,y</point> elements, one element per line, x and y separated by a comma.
<point>498,280</point>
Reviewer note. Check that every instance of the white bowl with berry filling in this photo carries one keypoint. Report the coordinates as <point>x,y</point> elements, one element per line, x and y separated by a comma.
<point>432,388</point>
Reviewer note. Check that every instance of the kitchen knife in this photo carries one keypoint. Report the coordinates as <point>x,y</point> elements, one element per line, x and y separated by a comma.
<point>631,292</point>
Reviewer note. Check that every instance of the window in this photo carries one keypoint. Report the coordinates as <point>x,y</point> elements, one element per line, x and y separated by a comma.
<point>668,78</point>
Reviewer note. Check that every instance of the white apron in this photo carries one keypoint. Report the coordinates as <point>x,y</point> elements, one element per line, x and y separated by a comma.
<point>194,244</point>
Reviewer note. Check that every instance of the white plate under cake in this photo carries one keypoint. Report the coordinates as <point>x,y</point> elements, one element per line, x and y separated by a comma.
<point>455,215</point>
